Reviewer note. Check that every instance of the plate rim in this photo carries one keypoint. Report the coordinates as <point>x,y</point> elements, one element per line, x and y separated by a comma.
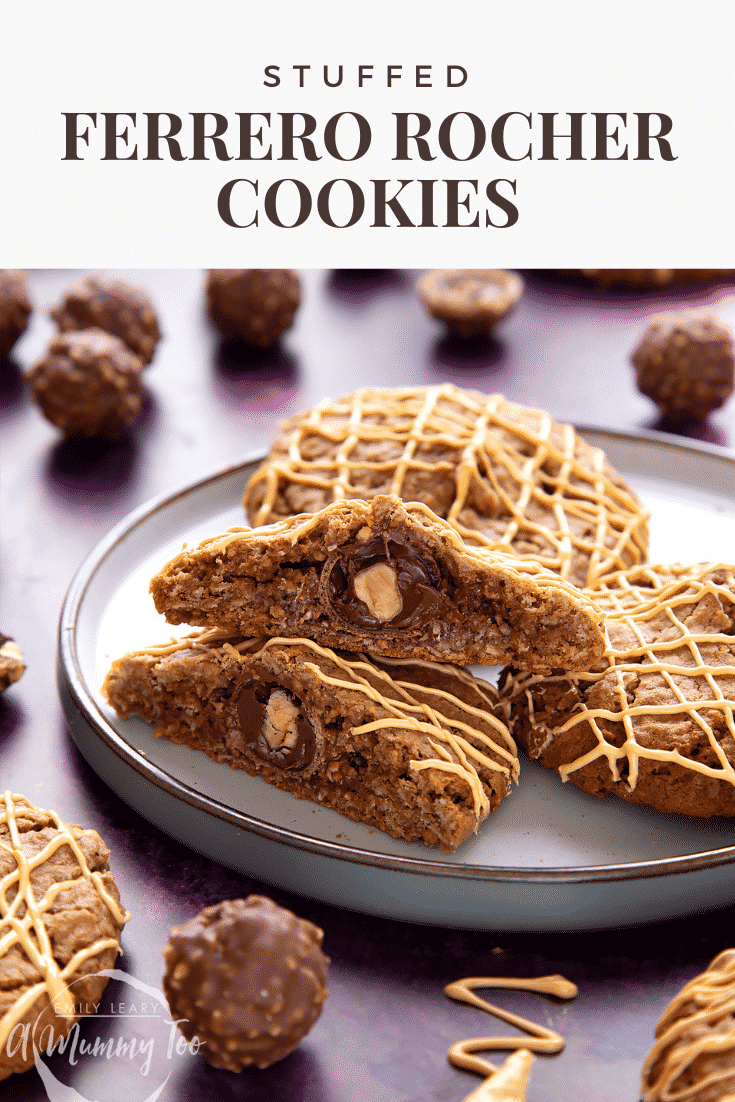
<point>73,689</point>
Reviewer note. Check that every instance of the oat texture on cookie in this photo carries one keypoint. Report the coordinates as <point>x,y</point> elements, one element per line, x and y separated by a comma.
<point>408,746</point>
<point>60,924</point>
<point>654,721</point>
<point>504,476</point>
<point>387,578</point>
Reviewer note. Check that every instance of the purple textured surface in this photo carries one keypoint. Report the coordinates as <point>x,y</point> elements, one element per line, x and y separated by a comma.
<point>386,1025</point>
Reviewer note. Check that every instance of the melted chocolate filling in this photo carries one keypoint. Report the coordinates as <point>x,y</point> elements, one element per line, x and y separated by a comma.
<point>252,705</point>
<point>418,582</point>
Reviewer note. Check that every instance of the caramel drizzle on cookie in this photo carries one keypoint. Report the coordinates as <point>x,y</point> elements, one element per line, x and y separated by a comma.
<point>512,461</point>
<point>449,738</point>
<point>29,932</point>
<point>456,752</point>
<point>540,1039</point>
<point>631,599</point>
<point>698,1025</point>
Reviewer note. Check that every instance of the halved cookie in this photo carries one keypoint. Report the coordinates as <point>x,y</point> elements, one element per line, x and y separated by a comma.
<point>654,721</point>
<point>408,747</point>
<point>504,476</point>
<point>383,577</point>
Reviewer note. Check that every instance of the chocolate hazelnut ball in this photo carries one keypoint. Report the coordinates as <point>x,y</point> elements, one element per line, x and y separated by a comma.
<point>113,305</point>
<point>12,663</point>
<point>470,301</point>
<point>253,304</point>
<point>248,979</point>
<point>684,362</point>
<point>15,307</point>
<point>88,384</point>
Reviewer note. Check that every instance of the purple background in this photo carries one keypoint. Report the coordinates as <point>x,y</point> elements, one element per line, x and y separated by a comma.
<point>386,1025</point>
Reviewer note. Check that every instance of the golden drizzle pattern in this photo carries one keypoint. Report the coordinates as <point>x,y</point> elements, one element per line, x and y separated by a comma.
<point>547,490</point>
<point>632,601</point>
<point>29,931</point>
<point>462,1053</point>
<point>449,738</point>
<point>693,1059</point>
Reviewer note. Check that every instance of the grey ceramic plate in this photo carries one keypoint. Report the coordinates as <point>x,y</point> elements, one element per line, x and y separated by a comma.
<point>550,858</point>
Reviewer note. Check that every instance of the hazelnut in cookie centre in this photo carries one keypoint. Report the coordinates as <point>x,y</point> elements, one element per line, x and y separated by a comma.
<point>384,582</point>
<point>271,720</point>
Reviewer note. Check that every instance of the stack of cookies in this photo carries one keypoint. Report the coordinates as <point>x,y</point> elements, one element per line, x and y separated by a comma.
<point>397,535</point>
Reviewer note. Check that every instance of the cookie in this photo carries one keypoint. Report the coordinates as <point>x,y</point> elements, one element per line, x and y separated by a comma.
<point>12,663</point>
<point>653,722</point>
<point>15,307</point>
<point>693,1058</point>
<point>684,361</point>
<point>408,747</point>
<point>470,301</point>
<point>100,302</point>
<point>60,924</point>
<point>253,304</point>
<point>385,578</point>
<point>504,476</point>
<point>247,978</point>
<point>649,279</point>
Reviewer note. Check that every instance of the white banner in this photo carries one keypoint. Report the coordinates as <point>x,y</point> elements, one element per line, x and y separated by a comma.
<point>388,133</point>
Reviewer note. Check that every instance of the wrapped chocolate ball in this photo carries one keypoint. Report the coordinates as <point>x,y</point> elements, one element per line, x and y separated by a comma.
<point>248,979</point>
<point>88,384</point>
<point>470,301</point>
<point>113,305</point>
<point>253,304</point>
<point>15,307</point>
<point>12,663</point>
<point>684,362</point>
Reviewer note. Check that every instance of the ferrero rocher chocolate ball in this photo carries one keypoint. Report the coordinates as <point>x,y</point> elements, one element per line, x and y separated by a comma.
<point>113,305</point>
<point>15,307</point>
<point>88,384</point>
<point>684,362</point>
<point>470,301</point>
<point>12,663</point>
<point>253,304</point>
<point>248,979</point>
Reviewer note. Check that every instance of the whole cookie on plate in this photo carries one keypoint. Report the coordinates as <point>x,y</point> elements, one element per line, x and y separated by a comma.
<point>653,722</point>
<point>693,1058</point>
<point>60,924</point>
<point>504,476</point>
<point>409,747</point>
<point>385,578</point>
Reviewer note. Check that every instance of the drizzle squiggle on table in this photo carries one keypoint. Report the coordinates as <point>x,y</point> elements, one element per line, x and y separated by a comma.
<point>541,1039</point>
